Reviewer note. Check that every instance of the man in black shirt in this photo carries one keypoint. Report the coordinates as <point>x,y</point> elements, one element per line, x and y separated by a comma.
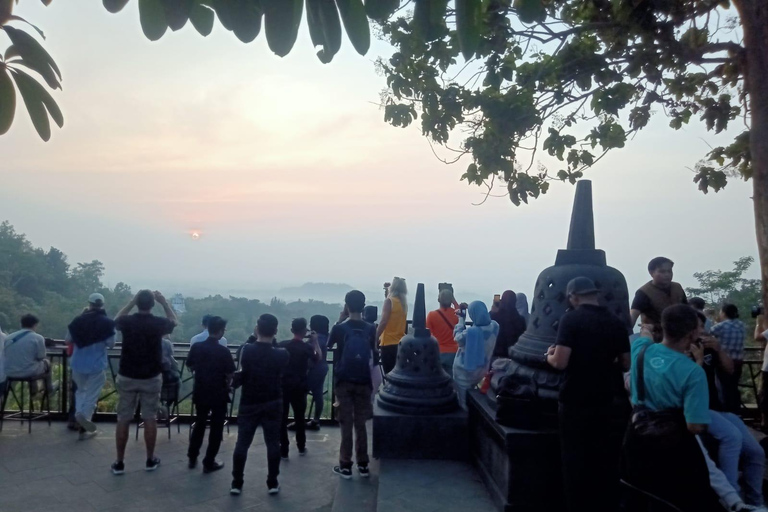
<point>356,342</point>
<point>656,295</point>
<point>295,383</point>
<point>590,340</point>
<point>141,366</point>
<point>261,402</point>
<point>213,367</point>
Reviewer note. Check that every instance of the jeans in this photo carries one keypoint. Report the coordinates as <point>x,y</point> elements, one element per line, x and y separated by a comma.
<point>736,442</point>
<point>269,416</point>
<point>389,357</point>
<point>355,408</point>
<point>88,391</point>
<point>446,360</point>
<point>590,462</point>
<point>719,483</point>
<point>316,384</point>
<point>218,414</point>
<point>297,399</point>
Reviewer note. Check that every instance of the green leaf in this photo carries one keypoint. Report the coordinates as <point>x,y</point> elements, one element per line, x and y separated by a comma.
<point>152,17</point>
<point>246,19</point>
<point>281,24</point>
<point>356,24</point>
<point>34,55</point>
<point>39,104</point>
<point>177,13</point>
<point>19,18</point>
<point>324,27</point>
<point>114,6</point>
<point>7,102</point>
<point>202,18</point>
<point>381,10</point>
<point>11,52</point>
<point>530,11</point>
<point>468,21</point>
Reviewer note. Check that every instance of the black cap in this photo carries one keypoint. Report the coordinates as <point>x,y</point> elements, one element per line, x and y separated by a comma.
<point>581,286</point>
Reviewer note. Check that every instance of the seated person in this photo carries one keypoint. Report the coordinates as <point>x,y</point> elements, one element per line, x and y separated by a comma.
<point>24,352</point>
<point>672,466</point>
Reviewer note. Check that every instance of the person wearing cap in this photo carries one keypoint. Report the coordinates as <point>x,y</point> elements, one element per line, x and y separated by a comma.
<point>590,341</point>
<point>203,336</point>
<point>90,334</point>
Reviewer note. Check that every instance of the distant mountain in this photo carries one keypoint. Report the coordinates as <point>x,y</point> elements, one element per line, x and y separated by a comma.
<point>326,292</point>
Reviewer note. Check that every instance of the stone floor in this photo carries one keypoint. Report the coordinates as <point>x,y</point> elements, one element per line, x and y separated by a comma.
<point>50,470</point>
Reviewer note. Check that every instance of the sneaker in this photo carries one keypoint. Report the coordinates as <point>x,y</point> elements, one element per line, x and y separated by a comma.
<point>118,467</point>
<point>364,471</point>
<point>302,451</point>
<point>152,464</point>
<point>162,413</point>
<point>236,488</point>
<point>192,464</point>
<point>84,422</point>
<point>344,473</point>
<point>285,457</point>
<point>210,468</point>
<point>274,490</point>
<point>313,425</point>
<point>84,436</point>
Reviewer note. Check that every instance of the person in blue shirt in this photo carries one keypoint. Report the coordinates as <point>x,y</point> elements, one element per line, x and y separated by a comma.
<point>673,467</point>
<point>91,333</point>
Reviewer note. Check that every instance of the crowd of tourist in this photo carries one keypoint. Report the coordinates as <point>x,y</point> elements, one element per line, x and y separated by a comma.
<point>672,390</point>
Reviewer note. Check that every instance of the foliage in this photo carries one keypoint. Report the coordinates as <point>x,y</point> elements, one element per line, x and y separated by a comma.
<point>574,78</point>
<point>26,52</point>
<point>33,280</point>
<point>718,287</point>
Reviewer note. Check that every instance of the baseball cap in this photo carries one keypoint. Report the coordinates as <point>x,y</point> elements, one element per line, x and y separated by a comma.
<point>580,286</point>
<point>96,299</point>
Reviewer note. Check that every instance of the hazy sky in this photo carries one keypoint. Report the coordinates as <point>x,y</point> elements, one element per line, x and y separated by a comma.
<point>289,171</point>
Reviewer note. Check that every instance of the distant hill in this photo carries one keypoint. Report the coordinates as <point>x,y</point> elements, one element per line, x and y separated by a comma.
<point>326,292</point>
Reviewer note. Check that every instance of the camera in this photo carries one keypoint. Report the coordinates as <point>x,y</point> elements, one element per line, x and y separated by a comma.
<point>757,310</point>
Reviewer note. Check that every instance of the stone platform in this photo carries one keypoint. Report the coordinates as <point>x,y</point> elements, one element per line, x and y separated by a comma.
<point>405,436</point>
<point>520,468</point>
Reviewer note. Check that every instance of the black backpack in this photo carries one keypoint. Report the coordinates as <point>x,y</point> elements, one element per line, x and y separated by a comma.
<point>354,364</point>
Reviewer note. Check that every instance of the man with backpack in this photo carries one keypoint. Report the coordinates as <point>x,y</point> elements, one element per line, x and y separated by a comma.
<point>356,341</point>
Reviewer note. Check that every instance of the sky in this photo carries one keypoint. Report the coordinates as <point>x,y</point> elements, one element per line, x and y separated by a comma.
<point>286,168</point>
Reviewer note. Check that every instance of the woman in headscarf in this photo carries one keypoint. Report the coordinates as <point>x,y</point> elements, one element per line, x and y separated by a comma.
<point>522,307</point>
<point>318,369</point>
<point>511,324</point>
<point>475,349</point>
<point>393,322</point>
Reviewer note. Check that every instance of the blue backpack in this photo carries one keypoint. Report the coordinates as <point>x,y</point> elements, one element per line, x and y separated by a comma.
<point>355,363</point>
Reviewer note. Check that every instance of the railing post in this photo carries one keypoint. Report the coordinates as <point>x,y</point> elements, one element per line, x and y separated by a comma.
<point>65,383</point>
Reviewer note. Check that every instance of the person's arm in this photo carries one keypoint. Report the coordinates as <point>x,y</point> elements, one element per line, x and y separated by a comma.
<point>192,357</point>
<point>110,342</point>
<point>386,313</point>
<point>40,354</point>
<point>127,308</point>
<point>169,313</point>
<point>625,360</point>
<point>332,337</point>
<point>696,401</point>
<point>460,331</point>
<point>376,359</point>
<point>634,314</point>
<point>760,328</point>
<point>316,352</point>
<point>558,356</point>
<point>723,359</point>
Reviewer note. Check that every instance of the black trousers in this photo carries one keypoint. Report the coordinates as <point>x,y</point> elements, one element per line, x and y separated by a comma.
<point>296,398</point>
<point>388,357</point>
<point>590,461</point>
<point>249,417</point>
<point>218,413</point>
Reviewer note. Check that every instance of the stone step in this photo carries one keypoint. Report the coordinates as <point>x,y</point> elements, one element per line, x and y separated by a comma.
<point>358,494</point>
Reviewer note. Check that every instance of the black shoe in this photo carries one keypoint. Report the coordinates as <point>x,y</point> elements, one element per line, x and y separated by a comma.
<point>210,468</point>
<point>302,451</point>
<point>364,471</point>
<point>284,456</point>
<point>236,488</point>
<point>313,425</point>
<point>192,463</point>
<point>344,473</point>
<point>273,489</point>
<point>118,467</point>
<point>152,464</point>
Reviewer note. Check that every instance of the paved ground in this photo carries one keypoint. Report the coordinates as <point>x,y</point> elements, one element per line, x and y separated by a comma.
<point>50,470</point>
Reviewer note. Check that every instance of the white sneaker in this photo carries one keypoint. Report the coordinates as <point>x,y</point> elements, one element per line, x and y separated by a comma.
<point>87,435</point>
<point>84,422</point>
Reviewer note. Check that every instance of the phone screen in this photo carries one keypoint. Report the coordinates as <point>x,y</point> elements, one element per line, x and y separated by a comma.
<point>497,298</point>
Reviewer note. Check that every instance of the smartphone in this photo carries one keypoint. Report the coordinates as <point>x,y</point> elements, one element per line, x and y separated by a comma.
<point>496,298</point>
<point>445,286</point>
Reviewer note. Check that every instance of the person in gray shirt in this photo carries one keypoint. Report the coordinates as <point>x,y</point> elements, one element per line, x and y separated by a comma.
<point>24,353</point>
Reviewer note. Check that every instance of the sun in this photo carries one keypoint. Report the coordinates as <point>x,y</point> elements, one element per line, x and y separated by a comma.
<point>195,235</point>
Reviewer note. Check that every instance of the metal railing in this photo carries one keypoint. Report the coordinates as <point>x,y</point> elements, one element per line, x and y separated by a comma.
<point>61,402</point>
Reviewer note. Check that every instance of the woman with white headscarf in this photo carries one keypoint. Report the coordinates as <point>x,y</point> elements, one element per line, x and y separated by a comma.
<point>475,349</point>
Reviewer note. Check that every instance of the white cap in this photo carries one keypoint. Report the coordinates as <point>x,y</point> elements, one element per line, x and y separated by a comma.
<point>96,299</point>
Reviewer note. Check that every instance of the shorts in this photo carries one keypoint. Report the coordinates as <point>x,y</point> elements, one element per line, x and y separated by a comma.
<point>138,391</point>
